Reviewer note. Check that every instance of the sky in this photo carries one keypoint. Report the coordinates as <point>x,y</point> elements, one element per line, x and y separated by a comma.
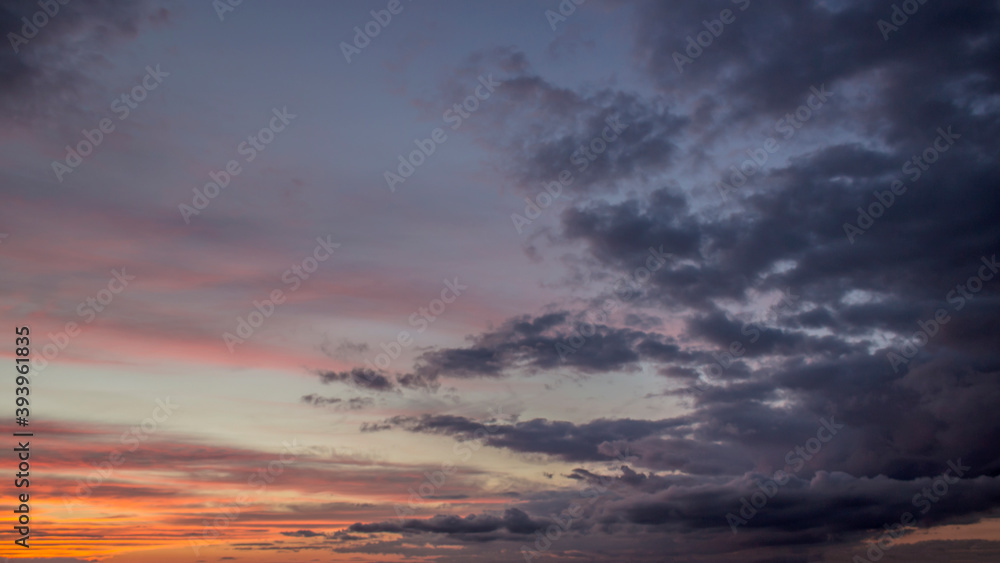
<point>442,281</point>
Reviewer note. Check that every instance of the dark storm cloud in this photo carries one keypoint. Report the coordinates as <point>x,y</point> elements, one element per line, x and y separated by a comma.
<point>801,512</point>
<point>313,399</point>
<point>821,361</point>
<point>363,378</point>
<point>912,255</point>
<point>599,136</point>
<point>565,440</point>
<point>302,534</point>
<point>354,403</point>
<point>773,51</point>
<point>718,329</point>
<point>615,231</point>
<point>832,503</point>
<point>52,64</point>
<point>543,343</point>
<point>513,521</point>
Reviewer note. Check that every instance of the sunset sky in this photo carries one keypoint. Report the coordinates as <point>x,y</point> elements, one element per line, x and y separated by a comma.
<point>446,281</point>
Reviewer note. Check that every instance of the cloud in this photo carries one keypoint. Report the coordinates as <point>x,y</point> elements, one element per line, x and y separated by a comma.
<point>354,403</point>
<point>601,136</point>
<point>513,521</point>
<point>543,343</point>
<point>565,440</point>
<point>52,66</point>
<point>671,479</point>
<point>363,378</point>
<point>825,356</point>
<point>302,534</point>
